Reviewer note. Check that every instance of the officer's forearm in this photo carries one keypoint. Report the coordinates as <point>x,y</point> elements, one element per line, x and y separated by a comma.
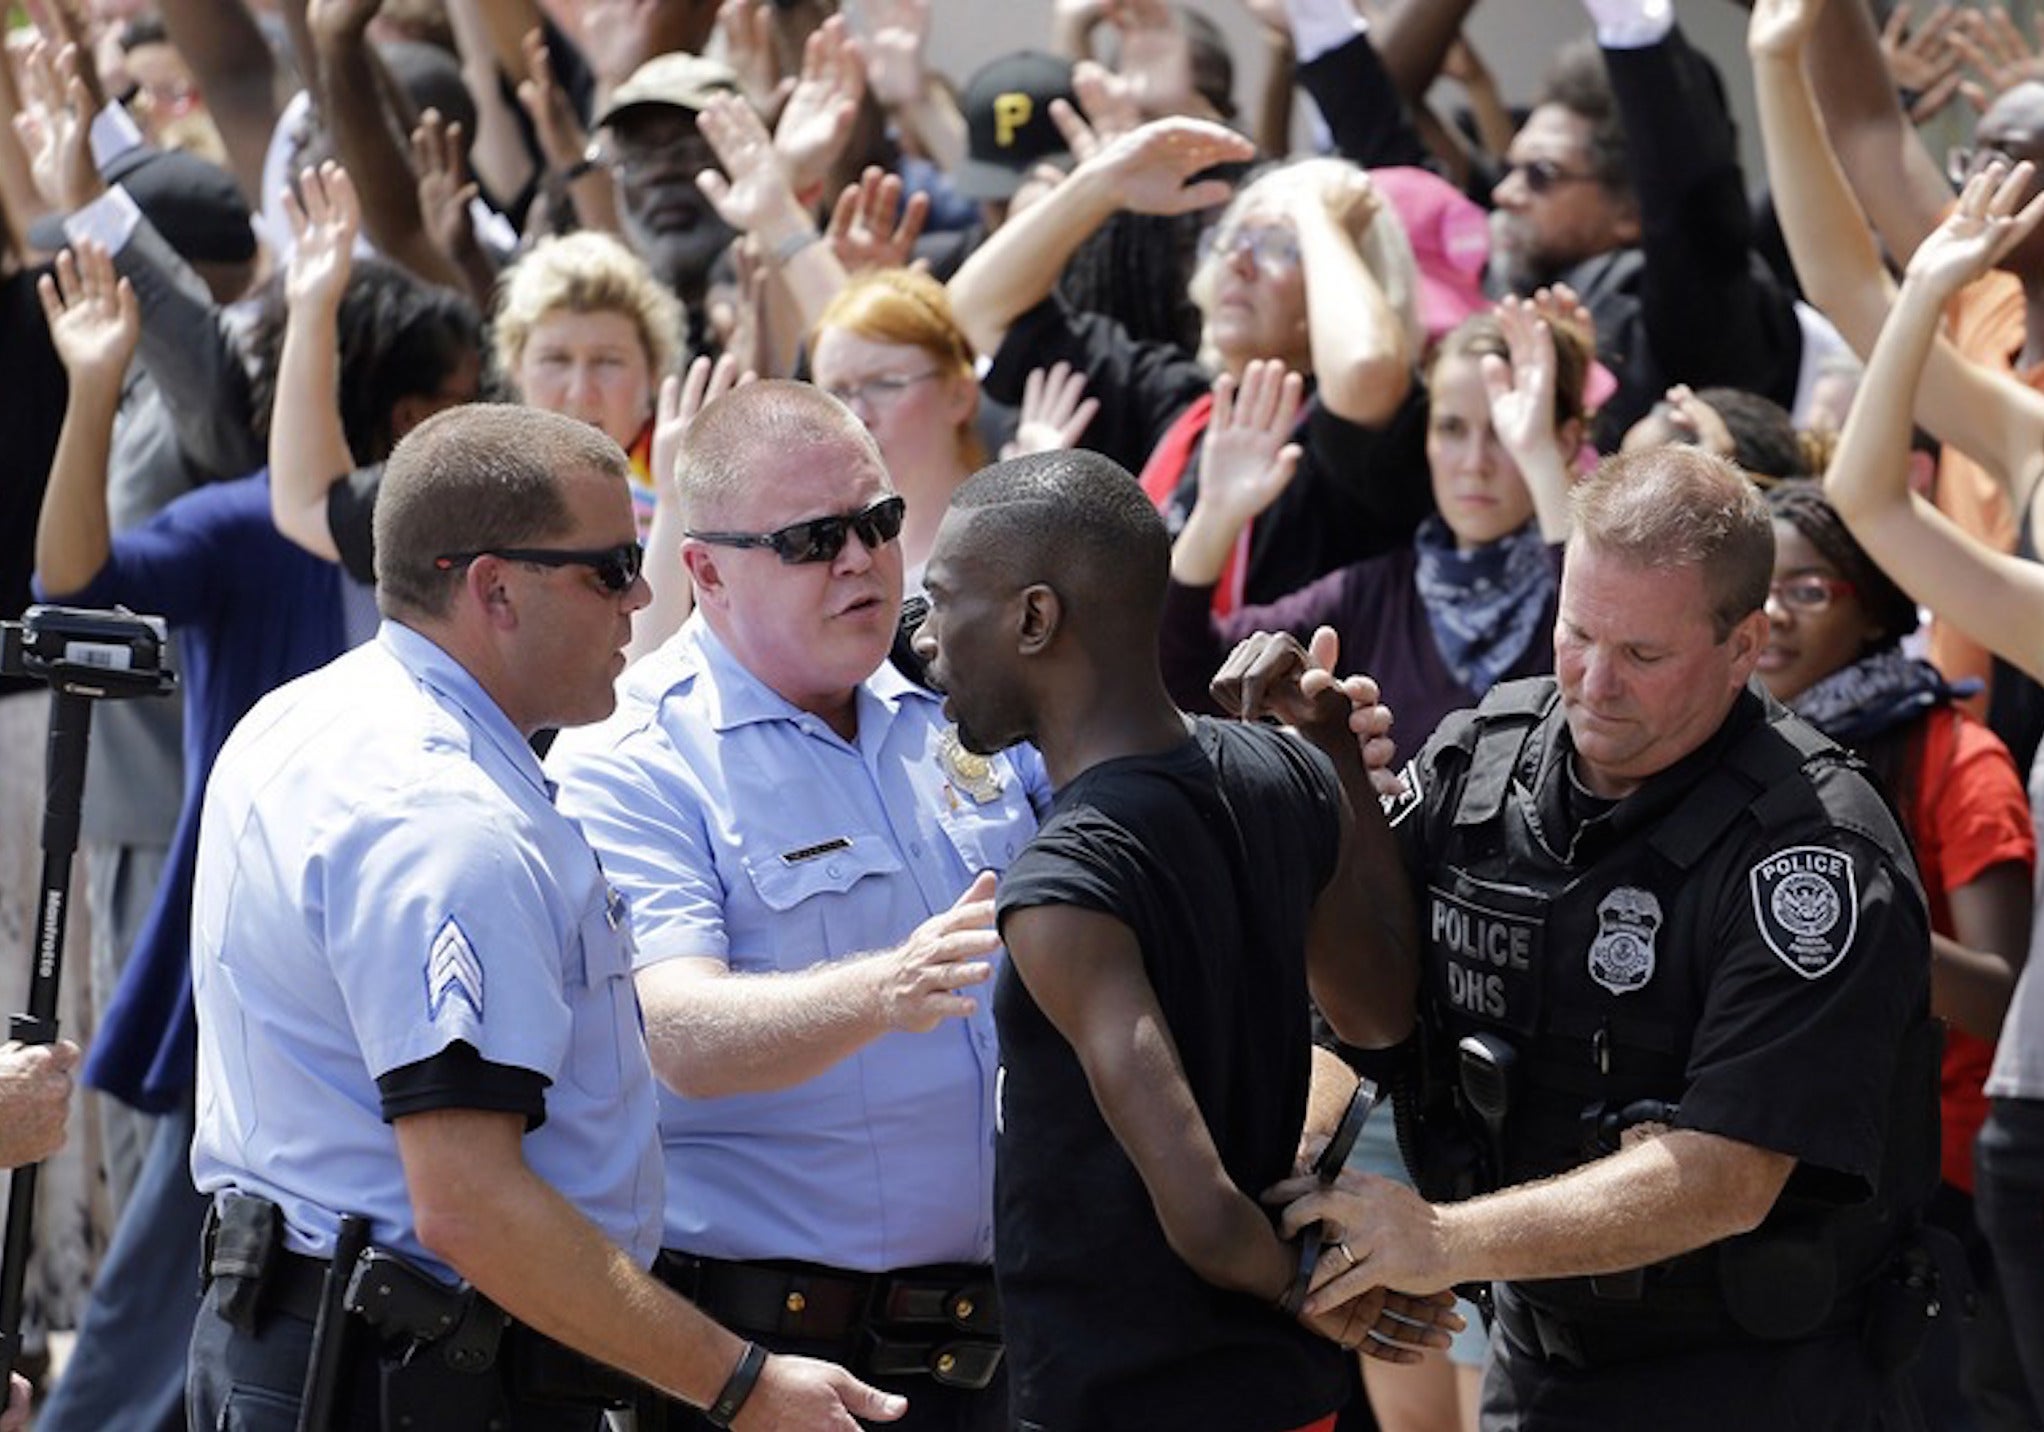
<point>711,1032</point>
<point>1663,1196</point>
<point>479,1207</point>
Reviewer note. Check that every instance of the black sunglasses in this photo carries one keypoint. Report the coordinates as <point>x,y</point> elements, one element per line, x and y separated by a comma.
<point>1543,175</point>
<point>615,567</point>
<point>820,539</point>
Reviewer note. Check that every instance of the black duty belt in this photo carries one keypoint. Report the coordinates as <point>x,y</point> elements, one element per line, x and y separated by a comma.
<point>943,1320</point>
<point>1644,1333</point>
<point>532,1363</point>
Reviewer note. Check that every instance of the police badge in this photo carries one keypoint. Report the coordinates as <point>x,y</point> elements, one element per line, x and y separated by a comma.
<point>1806,900</point>
<point>1622,955</point>
<point>968,771</point>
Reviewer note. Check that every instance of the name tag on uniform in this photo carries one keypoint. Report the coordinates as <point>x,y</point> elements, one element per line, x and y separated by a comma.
<point>815,852</point>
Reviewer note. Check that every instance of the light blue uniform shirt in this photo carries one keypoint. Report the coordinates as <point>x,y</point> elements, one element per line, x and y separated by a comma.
<point>382,872</point>
<point>745,830</point>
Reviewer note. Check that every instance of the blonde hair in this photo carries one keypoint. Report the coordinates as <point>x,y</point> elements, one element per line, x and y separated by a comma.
<point>1385,250</point>
<point>585,273</point>
<point>908,307</point>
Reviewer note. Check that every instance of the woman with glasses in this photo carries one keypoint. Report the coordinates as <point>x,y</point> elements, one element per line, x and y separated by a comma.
<point>1307,266</point>
<point>888,349</point>
<point>1834,657</point>
<point>1469,600</point>
<point>1997,600</point>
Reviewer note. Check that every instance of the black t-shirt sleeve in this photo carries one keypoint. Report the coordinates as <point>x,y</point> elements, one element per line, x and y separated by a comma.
<point>350,521</point>
<point>458,1077</point>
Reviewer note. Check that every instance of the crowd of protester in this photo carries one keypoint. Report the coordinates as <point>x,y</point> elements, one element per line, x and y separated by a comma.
<point>248,246</point>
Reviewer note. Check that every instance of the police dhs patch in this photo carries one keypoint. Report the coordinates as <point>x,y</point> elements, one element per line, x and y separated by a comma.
<point>1806,900</point>
<point>1622,955</point>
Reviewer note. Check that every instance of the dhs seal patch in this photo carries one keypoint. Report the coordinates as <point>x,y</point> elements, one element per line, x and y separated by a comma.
<point>1622,955</point>
<point>1806,900</point>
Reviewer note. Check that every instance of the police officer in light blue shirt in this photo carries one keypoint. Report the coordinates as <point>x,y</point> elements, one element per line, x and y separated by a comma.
<point>809,853</point>
<point>414,989</point>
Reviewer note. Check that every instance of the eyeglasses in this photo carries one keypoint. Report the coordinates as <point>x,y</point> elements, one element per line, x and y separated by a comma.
<point>882,392</point>
<point>1810,592</point>
<point>1274,247</point>
<point>820,539</point>
<point>1544,175</point>
<point>616,568</point>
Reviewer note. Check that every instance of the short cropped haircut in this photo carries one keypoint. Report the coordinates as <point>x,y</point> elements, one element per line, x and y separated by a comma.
<point>714,467</point>
<point>1079,523</point>
<point>909,308</point>
<point>1578,82</point>
<point>470,479</point>
<point>1678,506</point>
<point>585,272</point>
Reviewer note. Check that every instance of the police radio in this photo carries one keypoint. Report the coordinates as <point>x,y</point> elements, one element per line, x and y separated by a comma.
<point>82,656</point>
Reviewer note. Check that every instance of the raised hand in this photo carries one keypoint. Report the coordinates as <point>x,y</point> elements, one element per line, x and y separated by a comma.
<point>1993,45</point>
<point>1153,166</point>
<point>54,124</point>
<point>1108,102</point>
<point>1055,411</point>
<point>1922,60</point>
<point>816,122</point>
<point>919,983</point>
<point>870,226</point>
<point>325,217</point>
<point>438,158</point>
<point>748,30</point>
<point>681,398</point>
<point>752,193</point>
<point>1560,306</point>
<point>95,322</point>
<point>1521,388</point>
<point>1990,218</point>
<point>562,139</point>
<point>1247,457</point>
<point>1156,57</point>
<point>897,33</point>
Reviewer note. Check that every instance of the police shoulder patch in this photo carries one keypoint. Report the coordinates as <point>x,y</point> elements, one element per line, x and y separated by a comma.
<point>454,974</point>
<point>1398,807</point>
<point>1806,902</point>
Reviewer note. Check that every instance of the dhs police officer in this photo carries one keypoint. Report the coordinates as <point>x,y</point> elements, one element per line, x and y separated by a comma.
<point>415,1003</point>
<point>1677,1093</point>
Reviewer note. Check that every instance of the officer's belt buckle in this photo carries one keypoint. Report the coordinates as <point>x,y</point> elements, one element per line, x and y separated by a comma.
<point>966,1363</point>
<point>971,1306</point>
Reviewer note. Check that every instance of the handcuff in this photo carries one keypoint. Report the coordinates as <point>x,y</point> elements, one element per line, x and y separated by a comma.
<point>1326,1168</point>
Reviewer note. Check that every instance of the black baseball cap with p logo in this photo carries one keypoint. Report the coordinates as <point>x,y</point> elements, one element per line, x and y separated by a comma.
<point>1008,124</point>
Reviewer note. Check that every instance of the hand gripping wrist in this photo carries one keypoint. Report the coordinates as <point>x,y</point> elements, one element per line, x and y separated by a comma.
<point>737,1387</point>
